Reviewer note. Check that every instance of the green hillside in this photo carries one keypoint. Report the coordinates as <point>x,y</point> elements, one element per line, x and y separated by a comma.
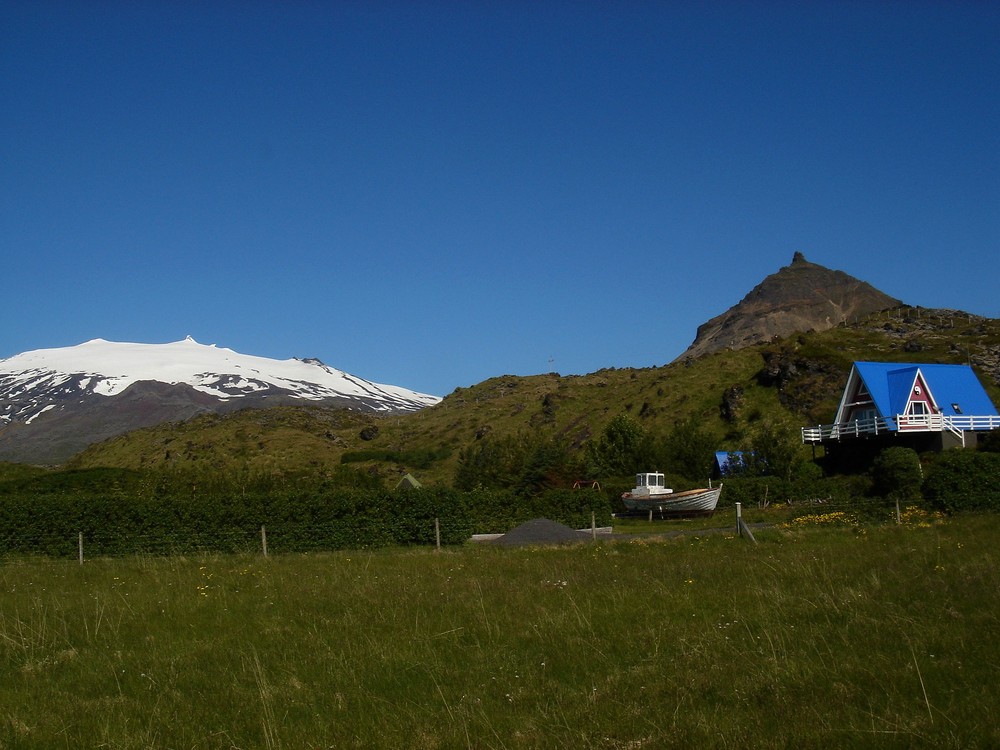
<point>792,382</point>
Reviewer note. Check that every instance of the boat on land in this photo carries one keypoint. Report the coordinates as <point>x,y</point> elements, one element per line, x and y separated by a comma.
<point>650,495</point>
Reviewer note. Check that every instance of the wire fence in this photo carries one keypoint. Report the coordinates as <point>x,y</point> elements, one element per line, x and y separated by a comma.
<point>284,538</point>
<point>53,524</point>
<point>265,540</point>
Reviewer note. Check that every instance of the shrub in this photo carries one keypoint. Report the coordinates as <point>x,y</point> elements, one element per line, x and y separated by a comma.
<point>990,442</point>
<point>964,480</point>
<point>897,475</point>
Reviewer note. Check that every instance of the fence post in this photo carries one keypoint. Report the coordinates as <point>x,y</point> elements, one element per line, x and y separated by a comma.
<point>80,546</point>
<point>741,528</point>
<point>593,526</point>
<point>437,535</point>
<point>263,540</point>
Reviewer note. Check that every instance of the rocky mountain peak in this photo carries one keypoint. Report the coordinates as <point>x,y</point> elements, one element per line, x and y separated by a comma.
<point>800,297</point>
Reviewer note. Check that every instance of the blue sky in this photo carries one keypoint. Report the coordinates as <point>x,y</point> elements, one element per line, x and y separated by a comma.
<point>429,194</point>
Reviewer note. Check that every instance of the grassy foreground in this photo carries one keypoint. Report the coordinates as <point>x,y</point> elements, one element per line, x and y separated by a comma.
<point>820,636</point>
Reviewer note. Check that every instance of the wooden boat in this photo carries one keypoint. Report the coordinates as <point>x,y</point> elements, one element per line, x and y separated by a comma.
<point>649,494</point>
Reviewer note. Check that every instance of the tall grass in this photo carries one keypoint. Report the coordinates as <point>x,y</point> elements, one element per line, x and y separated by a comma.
<point>820,636</point>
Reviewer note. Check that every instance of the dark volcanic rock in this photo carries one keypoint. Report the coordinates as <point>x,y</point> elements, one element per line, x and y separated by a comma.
<point>798,298</point>
<point>732,402</point>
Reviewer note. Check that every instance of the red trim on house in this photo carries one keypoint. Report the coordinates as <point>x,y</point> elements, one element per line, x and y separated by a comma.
<point>919,406</point>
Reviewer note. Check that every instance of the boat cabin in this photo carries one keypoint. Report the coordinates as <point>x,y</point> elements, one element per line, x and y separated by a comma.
<point>650,483</point>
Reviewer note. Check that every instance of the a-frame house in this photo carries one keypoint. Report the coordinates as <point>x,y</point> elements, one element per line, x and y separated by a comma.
<point>930,406</point>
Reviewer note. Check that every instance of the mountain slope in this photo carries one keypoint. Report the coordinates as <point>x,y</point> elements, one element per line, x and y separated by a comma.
<point>55,402</point>
<point>800,297</point>
<point>796,381</point>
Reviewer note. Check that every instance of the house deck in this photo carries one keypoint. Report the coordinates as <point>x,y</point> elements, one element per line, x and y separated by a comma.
<point>955,424</point>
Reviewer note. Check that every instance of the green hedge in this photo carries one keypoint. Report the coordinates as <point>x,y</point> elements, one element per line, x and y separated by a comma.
<point>127,514</point>
<point>754,491</point>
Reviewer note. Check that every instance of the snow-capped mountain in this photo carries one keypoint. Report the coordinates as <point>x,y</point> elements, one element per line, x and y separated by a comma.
<point>102,388</point>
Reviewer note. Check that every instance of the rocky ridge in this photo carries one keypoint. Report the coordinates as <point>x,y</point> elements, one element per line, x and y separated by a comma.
<point>799,298</point>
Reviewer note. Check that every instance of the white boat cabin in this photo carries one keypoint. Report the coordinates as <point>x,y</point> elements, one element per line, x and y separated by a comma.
<point>650,483</point>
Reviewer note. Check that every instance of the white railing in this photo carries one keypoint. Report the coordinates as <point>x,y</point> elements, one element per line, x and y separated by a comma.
<point>957,425</point>
<point>838,430</point>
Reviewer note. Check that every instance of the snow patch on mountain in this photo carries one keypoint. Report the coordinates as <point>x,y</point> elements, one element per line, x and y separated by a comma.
<point>32,381</point>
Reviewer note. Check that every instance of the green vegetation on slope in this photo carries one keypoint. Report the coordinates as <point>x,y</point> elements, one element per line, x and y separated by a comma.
<point>730,395</point>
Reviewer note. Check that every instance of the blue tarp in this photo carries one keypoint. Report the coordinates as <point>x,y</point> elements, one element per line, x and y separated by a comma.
<point>729,462</point>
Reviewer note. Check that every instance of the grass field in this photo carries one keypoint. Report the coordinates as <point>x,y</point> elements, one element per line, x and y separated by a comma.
<point>824,634</point>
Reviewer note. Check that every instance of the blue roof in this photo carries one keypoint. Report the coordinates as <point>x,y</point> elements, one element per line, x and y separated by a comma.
<point>889,384</point>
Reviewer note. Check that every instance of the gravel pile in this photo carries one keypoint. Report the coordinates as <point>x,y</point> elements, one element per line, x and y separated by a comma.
<point>542,531</point>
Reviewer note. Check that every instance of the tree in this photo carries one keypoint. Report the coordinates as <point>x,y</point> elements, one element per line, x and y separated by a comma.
<point>527,463</point>
<point>689,450</point>
<point>492,462</point>
<point>775,449</point>
<point>547,465</point>
<point>622,449</point>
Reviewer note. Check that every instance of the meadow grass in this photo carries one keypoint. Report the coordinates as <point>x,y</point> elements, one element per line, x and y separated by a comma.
<point>825,634</point>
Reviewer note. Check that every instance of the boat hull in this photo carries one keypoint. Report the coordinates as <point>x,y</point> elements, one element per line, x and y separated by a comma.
<point>699,502</point>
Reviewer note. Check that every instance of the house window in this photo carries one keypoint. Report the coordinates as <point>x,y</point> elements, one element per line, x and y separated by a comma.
<point>865,415</point>
<point>918,409</point>
<point>956,408</point>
